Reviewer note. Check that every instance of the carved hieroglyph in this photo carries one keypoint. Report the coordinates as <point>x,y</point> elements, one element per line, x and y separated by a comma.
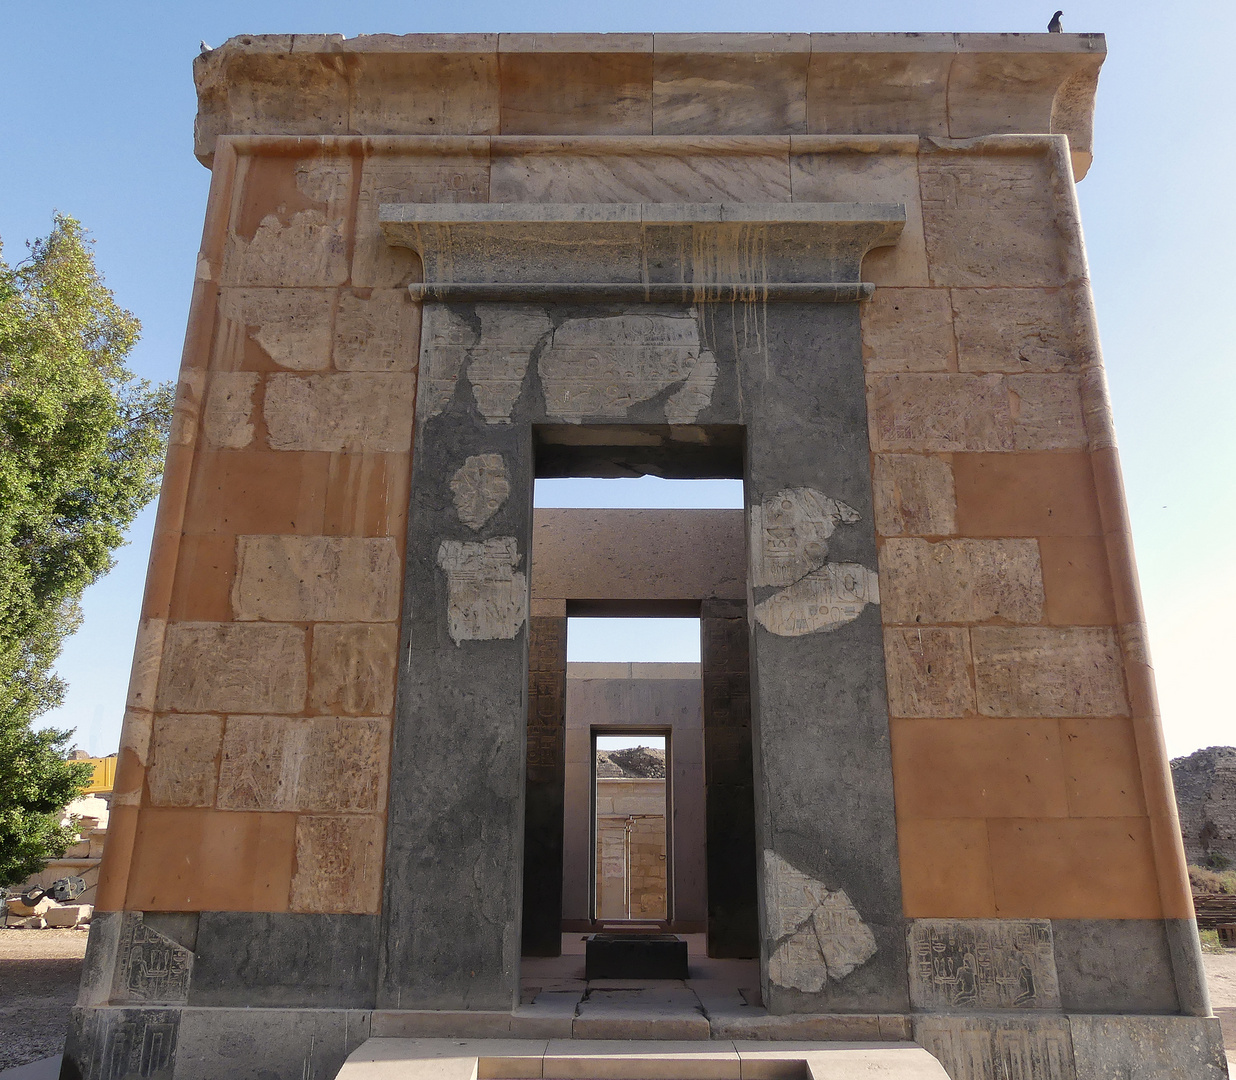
<point>486,595</point>
<point>790,531</point>
<point>151,967</point>
<point>494,348</point>
<point>982,964</point>
<point>825,599</point>
<point>817,932</point>
<point>979,1048</point>
<point>480,486</point>
<point>602,366</point>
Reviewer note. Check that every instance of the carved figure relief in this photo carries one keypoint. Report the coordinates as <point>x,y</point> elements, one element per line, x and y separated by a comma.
<point>602,366</point>
<point>480,487</point>
<point>817,932</point>
<point>979,1048</point>
<point>486,595</point>
<point>982,964</point>
<point>151,968</point>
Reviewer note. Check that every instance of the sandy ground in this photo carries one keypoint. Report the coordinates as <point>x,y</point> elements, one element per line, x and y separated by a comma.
<point>39,970</point>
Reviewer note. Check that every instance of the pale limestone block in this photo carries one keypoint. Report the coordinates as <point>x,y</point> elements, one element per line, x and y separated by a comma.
<point>233,667</point>
<point>871,178</point>
<point>135,733</point>
<point>301,246</point>
<point>633,178</point>
<point>982,964</point>
<point>426,93</point>
<point>347,766</point>
<point>817,933</point>
<point>486,596</point>
<point>496,358</point>
<point>602,366</point>
<point>928,671</point>
<point>147,659</point>
<point>261,762</point>
<point>317,578</point>
<point>789,533</point>
<point>1097,408</point>
<point>827,598</point>
<point>1133,644</point>
<point>293,326</point>
<point>184,760</point>
<point>961,581</point>
<point>992,220</point>
<point>429,179</point>
<point>1046,411</point>
<point>353,411</point>
<point>736,93</point>
<point>226,420</point>
<point>1017,331</point>
<point>908,330</point>
<point>479,488</point>
<point>190,391</point>
<point>353,668</point>
<point>378,333</point>
<point>1048,671</point>
<point>338,864</point>
<point>939,413</point>
<point>914,495</point>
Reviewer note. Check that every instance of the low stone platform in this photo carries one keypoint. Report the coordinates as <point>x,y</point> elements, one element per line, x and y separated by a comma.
<point>516,1059</point>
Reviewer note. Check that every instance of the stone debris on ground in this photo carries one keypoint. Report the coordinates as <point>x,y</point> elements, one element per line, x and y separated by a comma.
<point>30,912</point>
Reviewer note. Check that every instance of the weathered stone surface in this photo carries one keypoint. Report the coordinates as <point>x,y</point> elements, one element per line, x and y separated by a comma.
<point>1017,330</point>
<point>301,241</point>
<point>740,93</point>
<point>939,412</point>
<point>487,595</point>
<point>1041,671</point>
<point>1046,411</point>
<point>150,968</point>
<point>980,1048</point>
<point>317,578</point>
<point>233,667</point>
<point>908,330</point>
<point>981,965</point>
<point>338,864</point>
<point>292,326</point>
<point>354,411</point>
<point>380,332</point>
<point>823,600</point>
<point>961,581</point>
<point>117,1043</point>
<point>992,220</point>
<point>1167,1047</point>
<point>353,668</point>
<point>1114,966</point>
<point>914,495</point>
<point>183,765</point>
<point>602,366</point>
<point>816,932</point>
<point>226,419</point>
<point>928,671</point>
<point>789,534</point>
<point>323,764</point>
<point>576,93</point>
<point>480,486</point>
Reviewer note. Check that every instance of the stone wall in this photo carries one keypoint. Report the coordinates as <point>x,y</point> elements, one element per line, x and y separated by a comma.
<point>1205,784</point>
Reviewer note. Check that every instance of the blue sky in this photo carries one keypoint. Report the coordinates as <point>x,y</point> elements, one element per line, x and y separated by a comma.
<point>97,121</point>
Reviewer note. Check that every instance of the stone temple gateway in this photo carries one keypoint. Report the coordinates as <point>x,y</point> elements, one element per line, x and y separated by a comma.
<point>847,269</point>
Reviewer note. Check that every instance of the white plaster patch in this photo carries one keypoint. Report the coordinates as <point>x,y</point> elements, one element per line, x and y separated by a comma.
<point>825,599</point>
<point>817,932</point>
<point>789,533</point>
<point>487,596</point>
<point>603,366</point>
<point>480,486</point>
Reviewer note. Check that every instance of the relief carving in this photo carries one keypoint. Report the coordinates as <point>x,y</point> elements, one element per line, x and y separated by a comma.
<point>790,531</point>
<point>480,487</point>
<point>825,599</point>
<point>974,1048</point>
<point>981,964</point>
<point>486,595</point>
<point>817,932</point>
<point>151,968</point>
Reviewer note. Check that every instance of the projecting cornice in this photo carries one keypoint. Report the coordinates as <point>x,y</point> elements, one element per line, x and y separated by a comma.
<point>940,86</point>
<point>810,252</point>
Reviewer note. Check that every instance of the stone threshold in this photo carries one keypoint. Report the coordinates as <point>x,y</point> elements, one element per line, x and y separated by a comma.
<point>554,1059</point>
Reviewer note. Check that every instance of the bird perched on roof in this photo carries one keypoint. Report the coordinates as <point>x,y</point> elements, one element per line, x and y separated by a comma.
<point>1054,27</point>
<point>204,48</point>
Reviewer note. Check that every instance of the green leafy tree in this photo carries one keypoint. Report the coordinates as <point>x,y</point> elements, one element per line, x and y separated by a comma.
<point>81,450</point>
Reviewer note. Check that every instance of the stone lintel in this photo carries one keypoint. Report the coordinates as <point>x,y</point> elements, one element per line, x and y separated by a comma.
<point>670,247</point>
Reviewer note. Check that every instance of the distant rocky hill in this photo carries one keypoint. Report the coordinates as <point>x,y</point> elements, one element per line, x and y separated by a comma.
<point>1206,798</point>
<point>640,762</point>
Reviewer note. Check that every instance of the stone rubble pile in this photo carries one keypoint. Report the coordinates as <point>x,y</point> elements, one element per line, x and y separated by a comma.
<point>45,913</point>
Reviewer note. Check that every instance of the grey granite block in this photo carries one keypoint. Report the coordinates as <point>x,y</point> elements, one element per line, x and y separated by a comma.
<point>1114,966</point>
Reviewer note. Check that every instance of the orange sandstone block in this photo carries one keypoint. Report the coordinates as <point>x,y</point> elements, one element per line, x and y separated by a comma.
<point>945,869</point>
<point>978,768</point>
<point>211,860</point>
<point>1025,495</point>
<point>1078,868</point>
<point>1102,770</point>
<point>205,571</point>
<point>1076,582</point>
<point>367,495</point>
<point>257,491</point>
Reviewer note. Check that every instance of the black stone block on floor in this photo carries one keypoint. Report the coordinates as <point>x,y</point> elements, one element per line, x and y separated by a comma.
<point>635,956</point>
